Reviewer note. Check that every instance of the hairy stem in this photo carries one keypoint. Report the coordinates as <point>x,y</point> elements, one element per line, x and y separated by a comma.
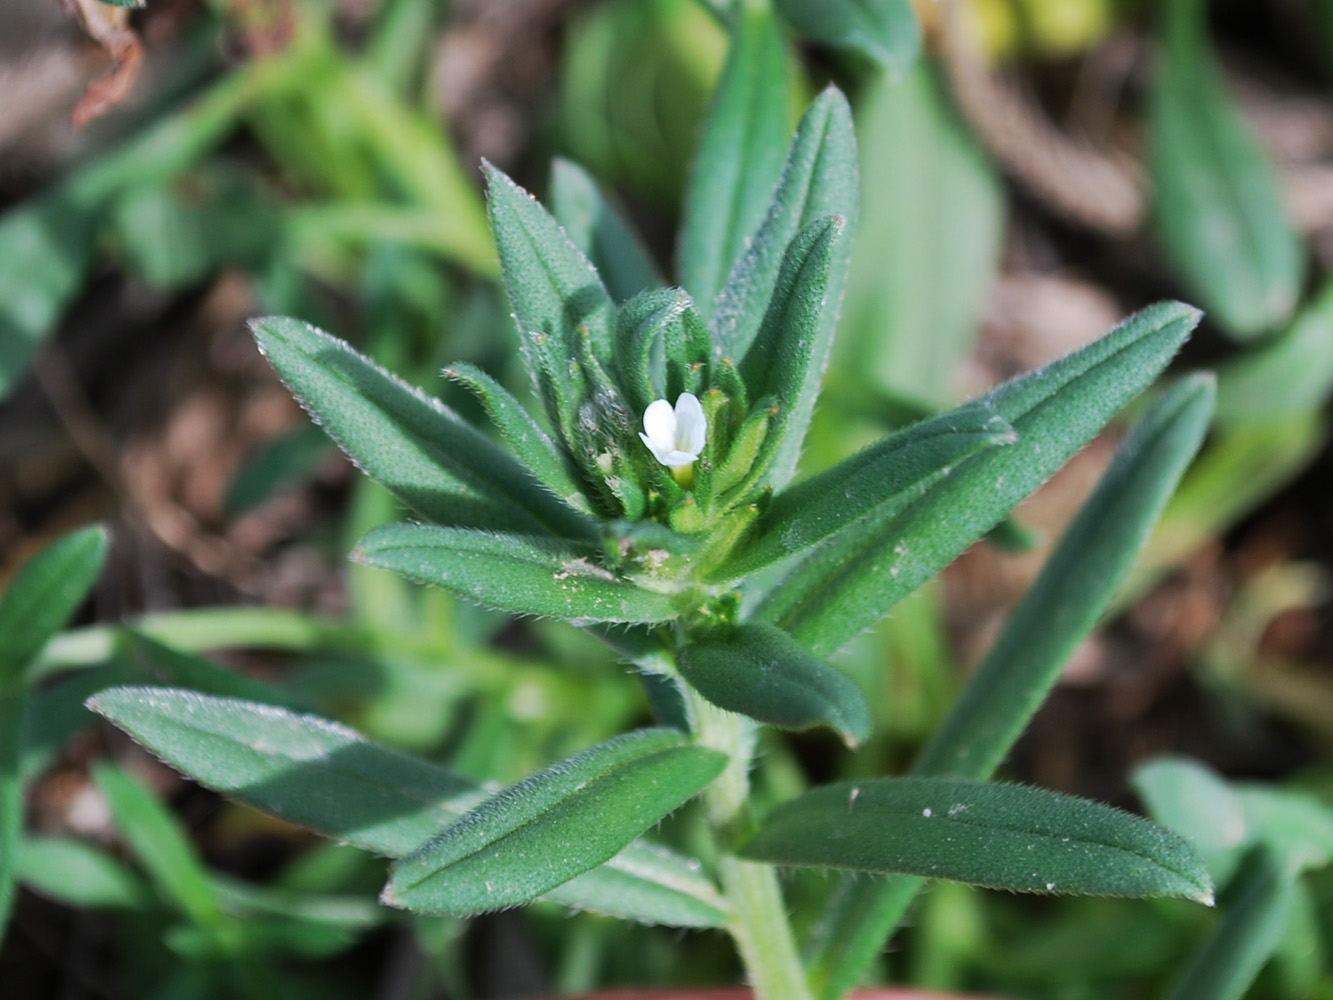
<point>759,922</point>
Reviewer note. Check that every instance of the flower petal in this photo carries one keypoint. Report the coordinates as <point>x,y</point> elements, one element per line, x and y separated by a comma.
<point>691,426</point>
<point>659,425</point>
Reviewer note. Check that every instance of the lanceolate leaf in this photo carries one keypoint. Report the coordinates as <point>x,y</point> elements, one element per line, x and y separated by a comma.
<point>596,228</point>
<point>38,602</point>
<point>1192,800</point>
<point>1079,580</point>
<point>1218,209</point>
<point>419,449</point>
<point>882,479</point>
<point>642,329</point>
<point>788,358</point>
<point>324,776</point>
<point>514,573</point>
<point>1075,587</point>
<point>1000,836</point>
<point>1288,377</point>
<point>883,31</point>
<point>553,289</point>
<point>521,432</point>
<point>818,179</point>
<point>762,672</point>
<point>932,226</point>
<point>864,570</point>
<point>44,594</point>
<point>161,846</point>
<point>79,875</point>
<point>739,158</point>
<point>553,825</point>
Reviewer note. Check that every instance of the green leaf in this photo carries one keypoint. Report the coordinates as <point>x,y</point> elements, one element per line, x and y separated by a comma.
<point>522,433</point>
<point>324,776</point>
<point>1297,828</point>
<point>818,179</point>
<point>419,449</point>
<point>48,246</point>
<point>156,840</point>
<point>292,457</point>
<point>44,594</point>
<point>739,158</point>
<point>38,602</point>
<point>554,290</point>
<point>1000,836</point>
<point>864,570</point>
<point>879,481</point>
<point>79,875</point>
<point>932,223</point>
<point>1192,800</point>
<point>1218,210</point>
<point>1288,377</point>
<point>1257,907</point>
<point>1074,588</point>
<point>788,357</point>
<point>553,825</point>
<point>596,228</point>
<point>643,327</point>
<point>883,31</point>
<point>760,671</point>
<point>521,575</point>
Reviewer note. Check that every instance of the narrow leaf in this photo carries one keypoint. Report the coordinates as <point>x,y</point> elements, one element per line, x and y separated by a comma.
<point>553,289</point>
<point>1077,583</point>
<point>1000,836</point>
<point>883,31</point>
<point>928,247</point>
<point>818,180</point>
<point>1075,587</point>
<point>1217,206</point>
<point>879,481</point>
<point>79,875</point>
<point>518,574</point>
<point>863,571</point>
<point>788,357</point>
<point>553,825</point>
<point>1288,377</point>
<point>44,594</point>
<point>415,446</point>
<point>739,158</point>
<point>521,432</point>
<point>38,602</point>
<point>642,329</point>
<point>156,840</point>
<point>761,672</point>
<point>1257,907</point>
<point>596,227</point>
<point>324,776</point>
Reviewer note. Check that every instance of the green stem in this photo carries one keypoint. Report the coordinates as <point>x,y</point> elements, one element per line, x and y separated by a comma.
<point>759,917</point>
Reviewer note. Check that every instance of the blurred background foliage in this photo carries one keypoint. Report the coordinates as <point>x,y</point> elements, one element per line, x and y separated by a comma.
<point>1032,170</point>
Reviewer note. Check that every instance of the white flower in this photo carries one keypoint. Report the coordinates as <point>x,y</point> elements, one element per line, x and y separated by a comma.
<point>675,437</point>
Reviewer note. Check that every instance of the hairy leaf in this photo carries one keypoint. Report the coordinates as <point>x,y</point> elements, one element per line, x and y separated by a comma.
<point>879,482</point>
<point>514,573</point>
<point>861,572</point>
<point>553,825</point>
<point>1000,836</point>
<point>415,446</point>
<point>596,228</point>
<point>739,158</point>
<point>762,672</point>
<point>324,776</point>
